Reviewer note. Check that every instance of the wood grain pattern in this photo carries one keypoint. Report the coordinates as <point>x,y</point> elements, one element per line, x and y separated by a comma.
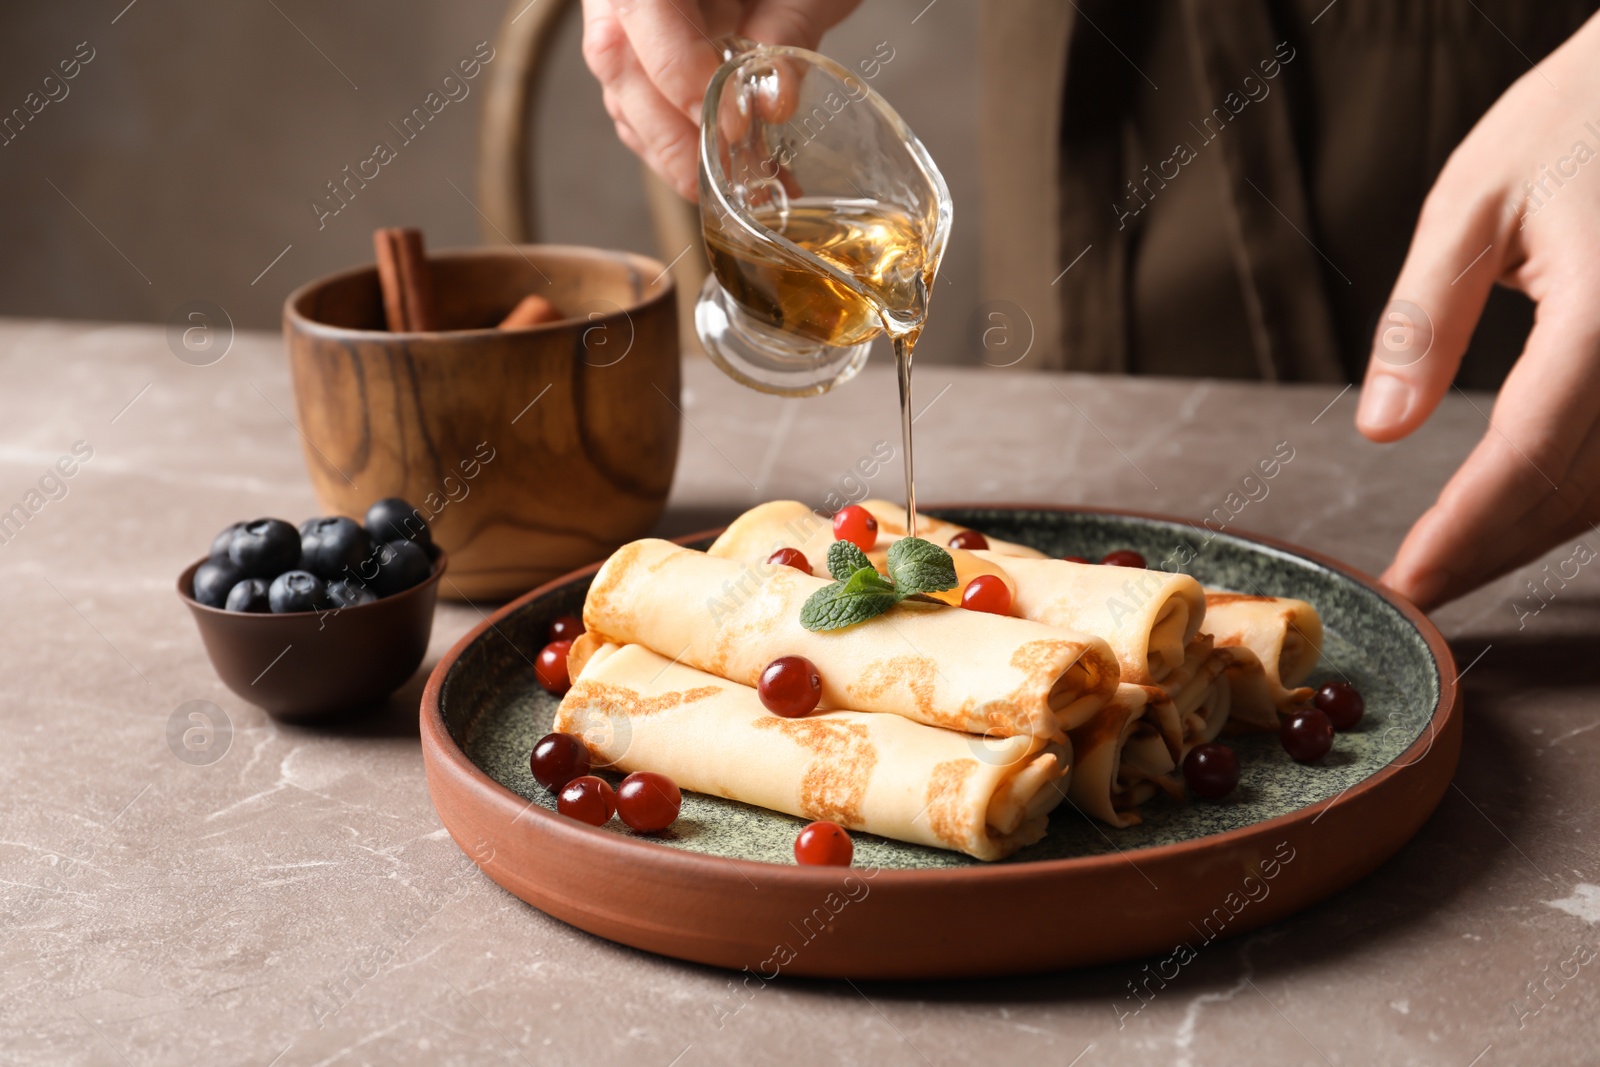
<point>531,451</point>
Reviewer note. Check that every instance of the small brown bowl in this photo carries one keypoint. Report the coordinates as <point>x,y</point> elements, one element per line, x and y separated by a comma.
<point>308,665</point>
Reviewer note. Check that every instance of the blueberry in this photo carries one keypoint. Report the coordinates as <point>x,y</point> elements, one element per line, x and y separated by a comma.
<point>249,595</point>
<point>401,565</point>
<point>392,519</point>
<point>350,594</point>
<point>298,591</point>
<point>220,543</point>
<point>265,548</point>
<point>333,548</point>
<point>212,581</point>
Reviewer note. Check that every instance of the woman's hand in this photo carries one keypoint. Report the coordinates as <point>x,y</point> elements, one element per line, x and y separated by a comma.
<point>1517,203</point>
<point>655,57</point>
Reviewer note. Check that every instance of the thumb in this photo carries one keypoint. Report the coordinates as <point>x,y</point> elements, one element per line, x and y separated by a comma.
<point>1454,259</point>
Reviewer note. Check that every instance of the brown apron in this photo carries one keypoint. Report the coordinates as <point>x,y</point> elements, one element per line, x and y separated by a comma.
<point>1245,175</point>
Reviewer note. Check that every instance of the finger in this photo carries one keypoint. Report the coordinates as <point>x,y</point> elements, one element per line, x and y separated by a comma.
<point>1528,475</point>
<point>670,143</point>
<point>672,47</point>
<point>606,48</point>
<point>1435,304</point>
<point>1553,520</point>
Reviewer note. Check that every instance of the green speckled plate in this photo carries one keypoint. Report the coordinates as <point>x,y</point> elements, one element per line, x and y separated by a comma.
<point>721,884</point>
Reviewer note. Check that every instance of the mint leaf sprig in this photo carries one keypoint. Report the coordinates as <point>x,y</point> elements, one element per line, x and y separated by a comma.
<point>859,592</point>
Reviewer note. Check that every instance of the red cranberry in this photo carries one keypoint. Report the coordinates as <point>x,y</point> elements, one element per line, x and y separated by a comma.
<point>1306,735</point>
<point>1123,557</point>
<point>1211,770</point>
<point>1341,702</point>
<point>551,667</point>
<point>823,844</point>
<point>647,801</point>
<point>856,525</point>
<point>987,592</point>
<point>790,686</point>
<point>566,628</point>
<point>587,799</point>
<point>791,557</point>
<point>557,759</point>
<point>971,540</point>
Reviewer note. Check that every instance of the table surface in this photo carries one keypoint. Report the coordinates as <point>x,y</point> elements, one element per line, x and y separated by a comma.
<point>296,902</point>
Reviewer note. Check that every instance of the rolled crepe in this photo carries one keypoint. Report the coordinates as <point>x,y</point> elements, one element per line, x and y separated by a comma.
<point>962,670</point>
<point>987,797</point>
<point>1121,759</point>
<point>1201,695</point>
<point>1278,640</point>
<point>892,520</point>
<point>765,528</point>
<point>1148,617</point>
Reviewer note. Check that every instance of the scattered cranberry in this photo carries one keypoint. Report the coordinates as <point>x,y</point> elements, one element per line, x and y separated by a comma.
<point>971,540</point>
<point>823,844</point>
<point>791,557</point>
<point>557,759</point>
<point>856,525</point>
<point>551,667</point>
<point>1306,735</point>
<point>1123,557</point>
<point>1075,559</point>
<point>566,628</point>
<point>1341,702</point>
<point>647,801</point>
<point>1211,770</point>
<point>987,592</point>
<point>790,686</point>
<point>587,799</point>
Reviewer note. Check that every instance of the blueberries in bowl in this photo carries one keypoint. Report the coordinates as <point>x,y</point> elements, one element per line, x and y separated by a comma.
<point>220,543</point>
<point>401,565</point>
<point>265,548</point>
<point>392,519</point>
<point>214,580</point>
<point>298,591</point>
<point>350,594</point>
<point>249,595</point>
<point>333,548</point>
<point>327,563</point>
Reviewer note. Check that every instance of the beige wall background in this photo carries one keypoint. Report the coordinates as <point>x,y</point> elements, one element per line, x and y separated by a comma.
<point>182,160</point>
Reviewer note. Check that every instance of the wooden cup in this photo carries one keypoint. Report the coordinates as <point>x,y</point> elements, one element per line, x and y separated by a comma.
<point>530,451</point>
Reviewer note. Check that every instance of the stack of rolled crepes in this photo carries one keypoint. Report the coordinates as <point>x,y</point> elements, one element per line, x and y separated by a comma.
<point>1192,662</point>
<point>937,725</point>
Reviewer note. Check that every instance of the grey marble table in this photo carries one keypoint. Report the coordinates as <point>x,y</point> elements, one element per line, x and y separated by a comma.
<point>296,902</point>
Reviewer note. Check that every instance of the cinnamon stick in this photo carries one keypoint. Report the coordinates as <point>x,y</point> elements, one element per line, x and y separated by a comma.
<point>531,311</point>
<point>408,301</point>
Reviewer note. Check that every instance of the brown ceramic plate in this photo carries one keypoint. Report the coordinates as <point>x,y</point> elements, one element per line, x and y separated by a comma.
<point>721,887</point>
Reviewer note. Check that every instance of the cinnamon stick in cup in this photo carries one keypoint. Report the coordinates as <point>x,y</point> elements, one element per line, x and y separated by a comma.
<point>408,301</point>
<point>531,311</point>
